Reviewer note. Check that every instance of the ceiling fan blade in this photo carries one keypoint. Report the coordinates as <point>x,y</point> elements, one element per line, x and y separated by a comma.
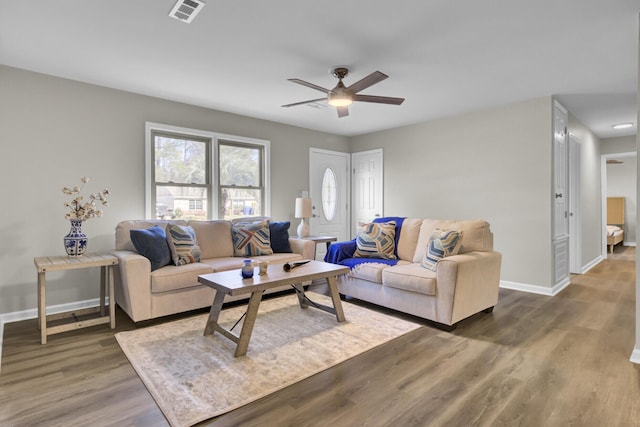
<point>378,99</point>
<point>311,85</point>
<point>304,102</point>
<point>343,111</point>
<point>370,80</point>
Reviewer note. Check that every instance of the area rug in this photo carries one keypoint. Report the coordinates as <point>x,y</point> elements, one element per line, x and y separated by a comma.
<point>194,377</point>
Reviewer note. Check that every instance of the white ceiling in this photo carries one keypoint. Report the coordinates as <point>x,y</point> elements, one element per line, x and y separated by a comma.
<point>445,57</point>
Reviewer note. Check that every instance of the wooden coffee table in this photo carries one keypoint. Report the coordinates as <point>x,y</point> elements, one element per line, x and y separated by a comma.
<point>232,283</point>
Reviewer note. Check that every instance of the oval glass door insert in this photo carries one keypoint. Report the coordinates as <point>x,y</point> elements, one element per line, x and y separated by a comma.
<point>329,194</point>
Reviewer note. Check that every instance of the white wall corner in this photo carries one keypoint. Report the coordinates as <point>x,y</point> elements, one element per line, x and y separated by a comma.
<point>591,264</point>
<point>635,354</point>
<point>535,289</point>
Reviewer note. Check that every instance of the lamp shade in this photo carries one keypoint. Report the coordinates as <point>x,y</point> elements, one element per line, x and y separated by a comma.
<point>303,208</point>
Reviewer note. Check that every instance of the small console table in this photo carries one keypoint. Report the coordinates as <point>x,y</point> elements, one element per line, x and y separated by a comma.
<point>82,318</point>
<point>318,239</point>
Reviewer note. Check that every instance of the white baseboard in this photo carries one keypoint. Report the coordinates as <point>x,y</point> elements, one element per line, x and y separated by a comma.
<point>592,264</point>
<point>17,316</point>
<point>628,243</point>
<point>535,289</point>
<point>635,355</point>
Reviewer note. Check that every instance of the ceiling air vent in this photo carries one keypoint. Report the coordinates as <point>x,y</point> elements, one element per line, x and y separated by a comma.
<point>186,10</point>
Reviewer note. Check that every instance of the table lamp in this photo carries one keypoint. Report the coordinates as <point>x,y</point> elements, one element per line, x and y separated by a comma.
<point>303,210</point>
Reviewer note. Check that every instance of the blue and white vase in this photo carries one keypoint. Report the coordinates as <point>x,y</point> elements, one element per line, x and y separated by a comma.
<point>75,243</point>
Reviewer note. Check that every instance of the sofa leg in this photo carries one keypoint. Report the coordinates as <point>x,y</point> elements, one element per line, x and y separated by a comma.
<point>488,310</point>
<point>441,326</point>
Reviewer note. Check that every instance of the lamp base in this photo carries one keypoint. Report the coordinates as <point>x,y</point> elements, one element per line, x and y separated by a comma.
<point>303,228</point>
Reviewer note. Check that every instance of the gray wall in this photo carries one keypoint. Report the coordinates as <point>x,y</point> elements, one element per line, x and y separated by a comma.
<point>55,131</point>
<point>493,164</point>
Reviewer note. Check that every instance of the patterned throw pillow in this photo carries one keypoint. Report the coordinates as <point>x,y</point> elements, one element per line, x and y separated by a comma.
<point>442,243</point>
<point>252,240</point>
<point>376,240</point>
<point>183,244</point>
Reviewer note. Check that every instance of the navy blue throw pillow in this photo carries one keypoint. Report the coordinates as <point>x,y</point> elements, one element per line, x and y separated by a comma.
<point>280,237</point>
<point>152,244</point>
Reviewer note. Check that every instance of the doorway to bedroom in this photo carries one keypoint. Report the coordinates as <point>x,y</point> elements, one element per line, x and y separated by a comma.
<point>619,201</point>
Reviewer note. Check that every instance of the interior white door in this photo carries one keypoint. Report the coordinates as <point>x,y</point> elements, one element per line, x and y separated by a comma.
<point>561,175</point>
<point>329,182</point>
<point>560,197</point>
<point>367,186</point>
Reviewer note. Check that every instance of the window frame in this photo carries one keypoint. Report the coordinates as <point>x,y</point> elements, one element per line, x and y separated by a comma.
<point>261,165</point>
<point>213,189</point>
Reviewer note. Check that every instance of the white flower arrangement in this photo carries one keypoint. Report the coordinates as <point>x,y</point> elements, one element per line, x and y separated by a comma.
<point>87,210</point>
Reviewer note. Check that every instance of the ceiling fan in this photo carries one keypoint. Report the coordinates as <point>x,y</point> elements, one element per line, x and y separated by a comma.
<point>341,96</point>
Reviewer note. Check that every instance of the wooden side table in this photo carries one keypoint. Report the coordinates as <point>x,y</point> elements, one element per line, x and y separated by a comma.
<point>81,318</point>
<point>318,239</point>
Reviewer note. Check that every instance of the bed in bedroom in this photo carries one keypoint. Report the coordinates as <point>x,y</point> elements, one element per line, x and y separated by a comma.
<point>615,221</point>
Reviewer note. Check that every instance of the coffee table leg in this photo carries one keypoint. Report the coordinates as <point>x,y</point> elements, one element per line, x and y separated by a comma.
<point>335,297</point>
<point>247,325</point>
<point>300,293</point>
<point>214,313</point>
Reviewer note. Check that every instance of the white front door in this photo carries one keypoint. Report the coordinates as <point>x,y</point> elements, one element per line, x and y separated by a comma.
<point>367,189</point>
<point>329,191</point>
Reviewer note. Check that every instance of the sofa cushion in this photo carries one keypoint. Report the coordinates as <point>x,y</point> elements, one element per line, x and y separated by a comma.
<point>476,236</point>
<point>251,239</point>
<point>368,270</point>
<point>123,235</point>
<point>183,244</point>
<point>214,238</point>
<point>171,277</point>
<point>279,235</point>
<point>442,243</point>
<point>408,239</point>
<point>410,277</point>
<point>376,240</point>
<point>152,244</point>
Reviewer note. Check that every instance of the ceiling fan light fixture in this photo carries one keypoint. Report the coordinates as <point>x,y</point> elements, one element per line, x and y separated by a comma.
<point>339,97</point>
<point>340,100</point>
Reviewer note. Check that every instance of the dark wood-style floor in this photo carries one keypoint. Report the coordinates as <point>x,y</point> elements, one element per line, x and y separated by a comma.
<point>535,361</point>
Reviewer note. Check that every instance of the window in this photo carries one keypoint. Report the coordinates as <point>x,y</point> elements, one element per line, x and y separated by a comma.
<point>180,173</point>
<point>241,186</point>
<point>202,175</point>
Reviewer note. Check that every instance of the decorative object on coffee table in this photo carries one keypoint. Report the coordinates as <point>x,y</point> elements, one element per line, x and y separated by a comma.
<point>303,210</point>
<point>75,243</point>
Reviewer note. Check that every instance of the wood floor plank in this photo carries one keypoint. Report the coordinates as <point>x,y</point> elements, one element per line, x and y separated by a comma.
<point>535,361</point>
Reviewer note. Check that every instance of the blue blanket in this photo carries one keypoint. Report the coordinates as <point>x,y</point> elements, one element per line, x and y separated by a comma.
<point>342,252</point>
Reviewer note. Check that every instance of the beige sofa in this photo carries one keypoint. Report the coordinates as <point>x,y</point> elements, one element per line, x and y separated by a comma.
<point>144,294</point>
<point>462,285</point>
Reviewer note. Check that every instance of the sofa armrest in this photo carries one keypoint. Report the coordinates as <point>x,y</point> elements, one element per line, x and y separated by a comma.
<point>306,248</point>
<point>340,251</point>
<point>467,284</point>
<point>132,282</point>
